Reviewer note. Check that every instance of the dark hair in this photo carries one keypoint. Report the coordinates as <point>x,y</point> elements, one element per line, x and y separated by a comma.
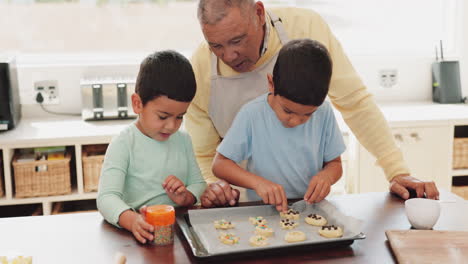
<point>166,73</point>
<point>302,72</point>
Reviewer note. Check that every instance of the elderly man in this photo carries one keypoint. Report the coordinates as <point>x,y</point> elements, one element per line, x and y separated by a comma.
<point>242,43</point>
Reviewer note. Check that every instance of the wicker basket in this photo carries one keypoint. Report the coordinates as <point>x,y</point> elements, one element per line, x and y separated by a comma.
<point>92,165</point>
<point>53,180</point>
<point>461,191</point>
<point>460,153</point>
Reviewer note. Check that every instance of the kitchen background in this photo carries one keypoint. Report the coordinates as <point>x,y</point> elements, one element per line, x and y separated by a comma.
<point>66,41</point>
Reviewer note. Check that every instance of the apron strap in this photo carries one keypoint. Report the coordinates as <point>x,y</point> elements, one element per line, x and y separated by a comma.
<point>278,25</point>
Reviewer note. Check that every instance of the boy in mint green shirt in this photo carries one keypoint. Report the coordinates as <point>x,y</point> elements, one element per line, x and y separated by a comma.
<point>151,162</point>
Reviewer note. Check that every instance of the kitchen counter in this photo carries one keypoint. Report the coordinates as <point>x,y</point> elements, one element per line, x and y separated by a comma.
<point>87,238</point>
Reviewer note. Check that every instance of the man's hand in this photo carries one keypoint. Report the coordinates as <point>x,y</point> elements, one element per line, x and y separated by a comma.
<point>401,184</point>
<point>219,193</point>
<point>177,192</point>
<point>319,188</point>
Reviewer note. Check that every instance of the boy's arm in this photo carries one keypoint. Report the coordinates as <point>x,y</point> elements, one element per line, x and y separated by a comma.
<point>111,182</point>
<point>228,170</point>
<point>333,170</point>
<point>320,184</point>
<point>270,192</point>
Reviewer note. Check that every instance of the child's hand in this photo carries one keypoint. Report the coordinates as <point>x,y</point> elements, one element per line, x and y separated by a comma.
<point>319,188</point>
<point>176,190</point>
<point>272,193</point>
<point>141,230</point>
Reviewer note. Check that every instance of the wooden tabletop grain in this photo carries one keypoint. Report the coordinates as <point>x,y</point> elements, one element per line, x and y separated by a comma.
<point>87,238</point>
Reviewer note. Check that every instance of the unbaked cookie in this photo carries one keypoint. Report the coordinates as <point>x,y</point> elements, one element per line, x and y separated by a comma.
<point>264,230</point>
<point>295,236</point>
<point>290,214</point>
<point>331,231</point>
<point>259,220</point>
<point>258,241</point>
<point>228,238</point>
<point>223,224</point>
<point>288,224</point>
<point>316,220</point>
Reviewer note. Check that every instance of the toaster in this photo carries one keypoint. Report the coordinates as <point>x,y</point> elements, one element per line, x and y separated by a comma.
<point>107,99</point>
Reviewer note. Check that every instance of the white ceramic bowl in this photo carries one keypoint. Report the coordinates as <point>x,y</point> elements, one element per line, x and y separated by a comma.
<point>422,213</point>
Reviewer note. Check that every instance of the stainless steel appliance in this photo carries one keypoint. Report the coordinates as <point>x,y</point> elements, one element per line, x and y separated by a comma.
<point>104,99</point>
<point>10,108</point>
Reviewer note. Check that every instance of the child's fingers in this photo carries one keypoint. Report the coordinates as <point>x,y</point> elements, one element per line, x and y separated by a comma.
<point>271,198</point>
<point>284,204</point>
<point>168,178</point>
<point>325,191</point>
<point>278,198</point>
<point>146,234</point>
<point>316,193</point>
<point>170,184</point>
<point>139,237</point>
<point>309,192</point>
<point>180,189</point>
<point>176,185</point>
<point>143,211</point>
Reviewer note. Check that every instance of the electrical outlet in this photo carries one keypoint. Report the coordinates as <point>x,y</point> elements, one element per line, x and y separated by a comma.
<point>388,78</point>
<point>49,91</point>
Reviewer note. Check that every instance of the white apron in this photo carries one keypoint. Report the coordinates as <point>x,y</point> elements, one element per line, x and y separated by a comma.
<point>229,94</point>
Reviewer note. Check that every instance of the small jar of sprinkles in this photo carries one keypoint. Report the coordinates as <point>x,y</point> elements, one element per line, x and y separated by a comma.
<point>162,218</point>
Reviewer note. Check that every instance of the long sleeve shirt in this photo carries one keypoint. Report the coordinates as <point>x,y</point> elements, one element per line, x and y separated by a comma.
<point>135,167</point>
<point>347,92</point>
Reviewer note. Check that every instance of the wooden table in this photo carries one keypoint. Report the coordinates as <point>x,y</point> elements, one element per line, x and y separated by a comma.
<point>86,238</point>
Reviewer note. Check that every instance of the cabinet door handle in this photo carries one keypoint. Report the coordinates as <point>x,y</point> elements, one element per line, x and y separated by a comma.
<point>415,136</point>
<point>398,137</point>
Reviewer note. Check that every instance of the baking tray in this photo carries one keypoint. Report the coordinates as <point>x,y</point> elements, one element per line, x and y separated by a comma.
<point>202,238</point>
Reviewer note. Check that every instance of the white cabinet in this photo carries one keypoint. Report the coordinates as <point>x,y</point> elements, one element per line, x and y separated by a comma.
<point>427,151</point>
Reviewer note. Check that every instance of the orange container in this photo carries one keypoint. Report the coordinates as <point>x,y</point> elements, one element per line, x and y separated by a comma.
<point>162,218</point>
<point>160,215</point>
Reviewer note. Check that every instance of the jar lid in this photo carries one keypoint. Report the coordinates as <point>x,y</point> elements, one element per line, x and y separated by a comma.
<point>160,215</point>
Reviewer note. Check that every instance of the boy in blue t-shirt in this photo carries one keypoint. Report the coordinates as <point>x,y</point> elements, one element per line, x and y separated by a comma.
<point>289,137</point>
<point>151,162</point>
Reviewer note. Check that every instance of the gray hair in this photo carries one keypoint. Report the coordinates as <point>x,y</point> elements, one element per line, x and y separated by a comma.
<point>212,11</point>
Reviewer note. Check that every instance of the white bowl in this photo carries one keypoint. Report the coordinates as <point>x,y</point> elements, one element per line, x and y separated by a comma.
<point>422,213</point>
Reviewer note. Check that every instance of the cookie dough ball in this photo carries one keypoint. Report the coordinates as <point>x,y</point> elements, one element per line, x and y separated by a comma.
<point>259,220</point>
<point>316,220</point>
<point>295,236</point>
<point>258,241</point>
<point>290,214</point>
<point>223,224</point>
<point>264,231</point>
<point>288,224</point>
<point>331,231</point>
<point>228,238</point>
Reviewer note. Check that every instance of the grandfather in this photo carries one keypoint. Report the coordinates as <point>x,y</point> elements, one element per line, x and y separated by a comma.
<point>242,44</point>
